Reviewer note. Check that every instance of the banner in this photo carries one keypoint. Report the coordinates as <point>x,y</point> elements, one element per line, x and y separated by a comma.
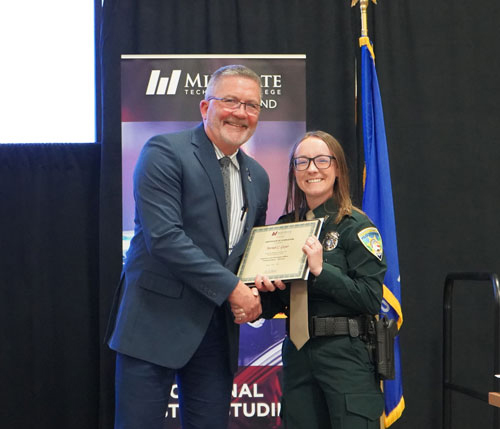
<point>378,205</point>
<point>161,94</point>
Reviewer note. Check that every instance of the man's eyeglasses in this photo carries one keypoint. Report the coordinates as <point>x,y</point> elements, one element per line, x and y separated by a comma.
<point>321,162</point>
<point>233,104</point>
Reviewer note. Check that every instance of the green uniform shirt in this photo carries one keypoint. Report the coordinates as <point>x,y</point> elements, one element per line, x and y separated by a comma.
<point>353,273</point>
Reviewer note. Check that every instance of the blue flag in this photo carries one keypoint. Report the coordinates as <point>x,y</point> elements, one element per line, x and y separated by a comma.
<point>378,205</point>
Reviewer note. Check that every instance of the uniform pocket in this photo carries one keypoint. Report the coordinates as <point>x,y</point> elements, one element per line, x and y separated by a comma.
<point>367,405</point>
<point>163,285</point>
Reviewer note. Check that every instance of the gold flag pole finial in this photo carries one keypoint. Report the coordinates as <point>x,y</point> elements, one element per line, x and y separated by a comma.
<point>363,5</point>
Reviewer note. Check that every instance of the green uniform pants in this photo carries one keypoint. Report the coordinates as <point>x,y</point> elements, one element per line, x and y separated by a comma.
<point>330,383</point>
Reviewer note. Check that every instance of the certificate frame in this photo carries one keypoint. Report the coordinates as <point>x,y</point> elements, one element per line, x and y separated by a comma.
<point>276,251</point>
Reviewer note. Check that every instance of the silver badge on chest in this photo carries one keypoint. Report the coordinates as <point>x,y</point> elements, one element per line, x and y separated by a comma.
<point>330,241</point>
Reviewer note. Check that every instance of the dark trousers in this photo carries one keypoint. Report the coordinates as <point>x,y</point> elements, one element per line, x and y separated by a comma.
<point>330,383</point>
<point>204,386</point>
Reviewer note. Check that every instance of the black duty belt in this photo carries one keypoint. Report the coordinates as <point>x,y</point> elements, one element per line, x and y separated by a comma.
<point>331,326</point>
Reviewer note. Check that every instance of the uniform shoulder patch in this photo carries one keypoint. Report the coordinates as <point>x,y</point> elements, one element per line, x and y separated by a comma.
<point>371,239</point>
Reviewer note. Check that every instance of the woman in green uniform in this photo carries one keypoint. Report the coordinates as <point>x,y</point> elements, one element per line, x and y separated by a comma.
<point>330,382</point>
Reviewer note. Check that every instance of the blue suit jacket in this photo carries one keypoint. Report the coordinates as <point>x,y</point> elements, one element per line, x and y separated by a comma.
<point>177,269</point>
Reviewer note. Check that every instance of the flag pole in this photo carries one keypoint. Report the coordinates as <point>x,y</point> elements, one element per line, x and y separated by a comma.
<point>363,6</point>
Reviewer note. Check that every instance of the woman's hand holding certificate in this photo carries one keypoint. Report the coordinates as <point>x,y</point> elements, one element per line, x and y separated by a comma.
<point>276,251</point>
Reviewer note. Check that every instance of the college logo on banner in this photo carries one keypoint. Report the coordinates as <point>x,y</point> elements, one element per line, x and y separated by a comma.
<point>163,85</point>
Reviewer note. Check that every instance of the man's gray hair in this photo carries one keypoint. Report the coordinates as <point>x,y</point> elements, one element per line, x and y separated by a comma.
<point>231,70</point>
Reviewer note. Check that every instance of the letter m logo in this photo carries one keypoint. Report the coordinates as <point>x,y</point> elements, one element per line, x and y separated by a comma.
<point>163,85</point>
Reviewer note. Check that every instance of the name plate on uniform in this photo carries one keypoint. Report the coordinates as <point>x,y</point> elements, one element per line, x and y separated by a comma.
<point>276,251</point>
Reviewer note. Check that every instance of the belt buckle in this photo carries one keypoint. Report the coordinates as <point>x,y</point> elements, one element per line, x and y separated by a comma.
<point>353,327</point>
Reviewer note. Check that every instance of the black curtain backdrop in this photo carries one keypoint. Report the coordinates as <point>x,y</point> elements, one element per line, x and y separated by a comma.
<point>60,206</point>
<point>49,352</point>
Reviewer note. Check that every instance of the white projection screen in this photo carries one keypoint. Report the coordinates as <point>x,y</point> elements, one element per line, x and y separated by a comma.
<point>47,83</point>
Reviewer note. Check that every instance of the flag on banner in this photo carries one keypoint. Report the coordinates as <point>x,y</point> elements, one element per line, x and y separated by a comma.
<point>378,205</point>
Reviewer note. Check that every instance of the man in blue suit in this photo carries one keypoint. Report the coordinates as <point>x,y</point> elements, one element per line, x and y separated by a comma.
<point>171,318</point>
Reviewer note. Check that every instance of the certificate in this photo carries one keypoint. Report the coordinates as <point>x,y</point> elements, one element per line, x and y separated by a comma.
<point>276,251</point>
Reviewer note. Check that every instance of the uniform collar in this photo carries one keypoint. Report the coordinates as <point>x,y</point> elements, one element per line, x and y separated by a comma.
<point>328,209</point>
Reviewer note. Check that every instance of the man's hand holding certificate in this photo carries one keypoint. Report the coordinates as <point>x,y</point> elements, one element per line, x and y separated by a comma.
<point>275,251</point>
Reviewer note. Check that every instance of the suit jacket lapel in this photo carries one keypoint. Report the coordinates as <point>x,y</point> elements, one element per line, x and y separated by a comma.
<point>248,190</point>
<point>205,153</point>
